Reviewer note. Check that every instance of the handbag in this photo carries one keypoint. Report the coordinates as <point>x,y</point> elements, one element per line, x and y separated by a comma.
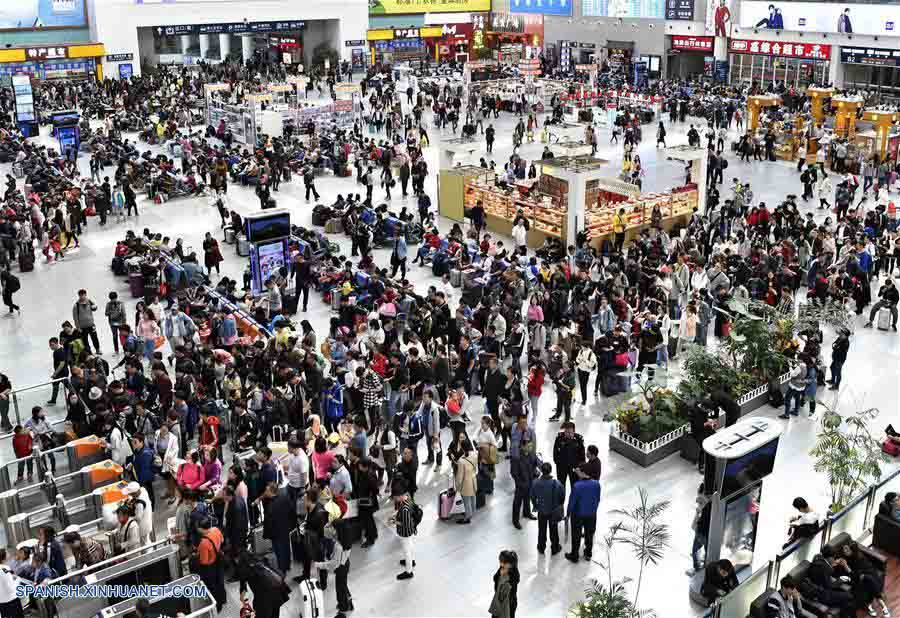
<point>157,461</point>
<point>621,359</point>
<point>488,454</point>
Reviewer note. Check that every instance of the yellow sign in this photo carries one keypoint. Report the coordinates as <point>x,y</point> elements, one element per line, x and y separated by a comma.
<point>380,35</point>
<point>431,31</point>
<point>12,55</point>
<point>86,51</point>
<point>396,7</point>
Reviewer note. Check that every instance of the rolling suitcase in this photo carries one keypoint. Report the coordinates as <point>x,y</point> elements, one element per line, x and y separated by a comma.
<point>243,247</point>
<point>289,304</point>
<point>335,300</point>
<point>334,226</point>
<point>26,261</point>
<point>136,285</point>
<point>229,237</point>
<point>456,278</point>
<point>312,599</point>
<point>884,319</point>
<point>449,504</point>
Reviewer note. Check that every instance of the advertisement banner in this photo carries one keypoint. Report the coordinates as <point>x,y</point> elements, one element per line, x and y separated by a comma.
<point>719,17</point>
<point>693,43</point>
<point>812,51</point>
<point>399,7</point>
<point>873,19</point>
<point>544,7</point>
<point>652,9</point>
<point>42,14</point>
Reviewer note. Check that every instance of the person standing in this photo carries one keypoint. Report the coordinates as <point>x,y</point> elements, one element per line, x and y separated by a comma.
<point>405,520</point>
<point>838,356</point>
<point>521,468</point>
<point>60,368</point>
<point>506,584</point>
<point>404,176</point>
<point>212,256</point>
<point>568,454</point>
<point>489,138</point>
<point>83,318</point>
<point>548,496</point>
<point>208,560</point>
<point>618,226</point>
<point>10,604</point>
<point>582,512</point>
<point>5,394</point>
<point>586,361</point>
<point>115,314</point>
<point>398,256</point>
<point>10,284</point>
<point>309,180</point>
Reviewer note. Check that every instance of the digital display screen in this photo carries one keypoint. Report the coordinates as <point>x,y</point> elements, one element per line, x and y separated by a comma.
<point>750,468</point>
<point>38,14</point>
<point>271,258</point>
<point>653,9</point>
<point>269,228</point>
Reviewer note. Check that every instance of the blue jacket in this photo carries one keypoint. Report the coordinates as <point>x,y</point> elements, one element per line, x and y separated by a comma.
<point>548,496</point>
<point>585,498</point>
<point>143,465</point>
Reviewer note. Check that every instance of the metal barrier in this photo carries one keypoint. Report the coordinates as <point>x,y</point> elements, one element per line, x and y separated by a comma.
<point>850,519</point>
<point>22,398</point>
<point>61,513</point>
<point>169,605</point>
<point>737,603</point>
<point>74,456</point>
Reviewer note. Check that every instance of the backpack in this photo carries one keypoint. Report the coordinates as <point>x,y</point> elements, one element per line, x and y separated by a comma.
<point>13,285</point>
<point>415,424</point>
<point>416,512</point>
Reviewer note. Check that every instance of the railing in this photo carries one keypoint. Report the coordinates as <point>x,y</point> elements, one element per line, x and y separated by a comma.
<point>856,520</point>
<point>27,398</point>
<point>649,447</point>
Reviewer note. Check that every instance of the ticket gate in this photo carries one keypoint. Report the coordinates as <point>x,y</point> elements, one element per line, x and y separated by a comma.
<point>68,458</point>
<point>27,498</point>
<point>59,514</point>
<point>169,605</point>
<point>154,564</point>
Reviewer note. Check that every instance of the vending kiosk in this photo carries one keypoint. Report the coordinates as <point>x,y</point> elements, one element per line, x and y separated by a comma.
<point>268,233</point>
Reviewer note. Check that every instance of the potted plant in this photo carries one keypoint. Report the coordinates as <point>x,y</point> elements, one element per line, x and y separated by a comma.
<point>848,454</point>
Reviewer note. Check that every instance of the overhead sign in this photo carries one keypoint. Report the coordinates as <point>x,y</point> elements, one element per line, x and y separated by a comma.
<point>380,35</point>
<point>232,28</point>
<point>119,57</point>
<point>870,55</point>
<point>680,10</point>
<point>355,43</point>
<point>875,19</point>
<point>543,7</point>
<point>812,51</point>
<point>399,7</point>
<point>43,14</point>
<point>46,53</point>
<point>693,43</point>
<point>655,9</point>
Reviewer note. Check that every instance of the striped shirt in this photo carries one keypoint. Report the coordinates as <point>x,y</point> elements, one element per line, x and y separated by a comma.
<point>406,525</point>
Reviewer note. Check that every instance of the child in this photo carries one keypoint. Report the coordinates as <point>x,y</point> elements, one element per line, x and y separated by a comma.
<point>22,447</point>
<point>506,581</point>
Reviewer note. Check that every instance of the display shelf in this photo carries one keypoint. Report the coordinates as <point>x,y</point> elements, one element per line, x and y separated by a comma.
<point>602,204</point>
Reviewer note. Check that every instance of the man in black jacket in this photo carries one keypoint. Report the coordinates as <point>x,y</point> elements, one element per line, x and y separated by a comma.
<point>838,356</point>
<point>494,385</point>
<point>821,584</point>
<point>236,523</point>
<point>280,520</point>
<point>568,454</point>
<point>303,270</point>
<point>889,298</point>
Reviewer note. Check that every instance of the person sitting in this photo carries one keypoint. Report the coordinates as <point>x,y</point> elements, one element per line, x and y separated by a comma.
<point>719,579</point>
<point>805,524</point>
<point>821,583</point>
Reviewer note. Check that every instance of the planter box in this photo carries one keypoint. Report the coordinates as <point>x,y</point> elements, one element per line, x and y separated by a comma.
<point>646,454</point>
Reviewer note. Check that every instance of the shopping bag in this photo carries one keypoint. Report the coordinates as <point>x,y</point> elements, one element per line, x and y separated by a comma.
<point>159,342</point>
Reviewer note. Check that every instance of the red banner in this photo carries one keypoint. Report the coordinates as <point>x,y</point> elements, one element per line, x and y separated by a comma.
<point>693,43</point>
<point>778,48</point>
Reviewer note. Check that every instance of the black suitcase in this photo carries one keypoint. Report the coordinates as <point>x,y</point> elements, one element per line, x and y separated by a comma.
<point>289,304</point>
<point>270,204</point>
<point>613,384</point>
<point>119,267</point>
<point>26,261</point>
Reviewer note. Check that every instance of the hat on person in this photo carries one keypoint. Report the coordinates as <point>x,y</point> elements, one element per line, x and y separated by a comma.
<point>133,488</point>
<point>334,438</point>
<point>95,393</point>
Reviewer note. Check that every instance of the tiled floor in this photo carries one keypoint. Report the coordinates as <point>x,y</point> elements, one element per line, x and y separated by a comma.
<point>455,563</point>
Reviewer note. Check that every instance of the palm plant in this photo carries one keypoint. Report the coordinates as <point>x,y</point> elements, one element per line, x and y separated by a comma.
<point>644,533</point>
<point>848,454</point>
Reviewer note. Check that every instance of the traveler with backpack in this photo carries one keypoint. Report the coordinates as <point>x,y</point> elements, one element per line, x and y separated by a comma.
<point>10,285</point>
<point>115,314</point>
<point>207,561</point>
<point>128,533</point>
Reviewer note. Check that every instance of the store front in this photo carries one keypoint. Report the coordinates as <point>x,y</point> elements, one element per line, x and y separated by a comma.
<point>453,43</point>
<point>398,45</point>
<point>767,62</point>
<point>619,56</point>
<point>690,56</point>
<point>56,62</point>
<point>873,69</point>
<point>515,37</point>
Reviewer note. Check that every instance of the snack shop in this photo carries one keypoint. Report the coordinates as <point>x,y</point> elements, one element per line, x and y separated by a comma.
<point>54,62</point>
<point>569,195</point>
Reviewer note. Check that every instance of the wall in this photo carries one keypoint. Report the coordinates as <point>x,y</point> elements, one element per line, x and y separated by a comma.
<point>115,22</point>
<point>34,38</point>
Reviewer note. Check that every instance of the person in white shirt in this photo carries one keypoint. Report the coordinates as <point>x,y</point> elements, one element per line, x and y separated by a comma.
<point>143,510</point>
<point>118,445</point>
<point>586,362</point>
<point>297,466</point>
<point>520,235</point>
<point>10,604</point>
<point>448,290</point>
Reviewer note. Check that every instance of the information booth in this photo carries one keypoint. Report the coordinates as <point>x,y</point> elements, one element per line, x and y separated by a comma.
<point>268,233</point>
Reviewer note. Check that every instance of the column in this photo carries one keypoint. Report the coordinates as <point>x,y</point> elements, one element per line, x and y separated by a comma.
<point>185,43</point>
<point>224,45</point>
<point>204,45</point>
<point>247,47</point>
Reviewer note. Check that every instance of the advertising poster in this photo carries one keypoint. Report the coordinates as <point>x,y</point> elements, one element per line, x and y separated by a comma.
<point>719,17</point>
<point>34,14</point>
<point>544,7</point>
<point>399,7</point>
<point>872,19</point>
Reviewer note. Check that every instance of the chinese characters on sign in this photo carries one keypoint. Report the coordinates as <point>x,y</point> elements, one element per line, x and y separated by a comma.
<point>812,51</point>
<point>693,43</point>
<point>680,10</point>
<point>46,53</point>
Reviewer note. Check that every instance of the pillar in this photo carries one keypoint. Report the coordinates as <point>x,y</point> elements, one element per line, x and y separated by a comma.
<point>224,45</point>
<point>204,45</point>
<point>185,43</point>
<point>247,47</point>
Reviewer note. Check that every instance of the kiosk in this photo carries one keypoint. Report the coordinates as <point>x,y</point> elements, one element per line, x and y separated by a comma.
<point>268,233</point>
<point>755,105</point>
<point>882,123</point>
<point>66,131</point>
<point>739,458</point>
<point>845,109</point>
